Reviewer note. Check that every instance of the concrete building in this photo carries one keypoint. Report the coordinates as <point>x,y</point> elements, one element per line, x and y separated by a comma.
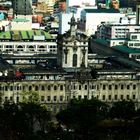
<point>92,18</point>
<point>57,85</point>
<point>80,3</point>
<point>27,42</point>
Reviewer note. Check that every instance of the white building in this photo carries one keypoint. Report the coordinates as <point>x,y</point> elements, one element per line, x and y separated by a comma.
<point>92,18</point>
<point>118,34</point>
<point>64,18</point>
<point>80,3</point>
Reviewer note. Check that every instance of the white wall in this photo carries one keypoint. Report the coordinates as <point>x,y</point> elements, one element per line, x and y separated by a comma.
<point>80,2</point>
<point>63,24</point>
<point>95,19</point>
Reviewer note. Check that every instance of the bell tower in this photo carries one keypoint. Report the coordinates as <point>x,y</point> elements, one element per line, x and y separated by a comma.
<point>72,48</point>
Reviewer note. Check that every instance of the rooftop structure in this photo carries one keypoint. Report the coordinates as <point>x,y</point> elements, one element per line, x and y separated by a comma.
<point>22,7</point>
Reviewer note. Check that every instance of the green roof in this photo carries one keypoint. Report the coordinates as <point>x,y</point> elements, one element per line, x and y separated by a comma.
<point>118,39</point>
<point>126,49</point>
<point>24,34</point>
<point>102,41</point>
<point>102,11</point>
<point>20,20</point>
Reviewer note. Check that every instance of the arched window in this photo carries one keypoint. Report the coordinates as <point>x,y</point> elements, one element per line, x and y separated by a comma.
<point>74,60</point>
<point>55,87</point>
<point>41,48</point>
<point>61,87</point>
<point>30,88</point>
<point>49,87</point>
<point>31,48</point>
<point>42,88</point>
<point>19,48</point>
<point>36,88</point>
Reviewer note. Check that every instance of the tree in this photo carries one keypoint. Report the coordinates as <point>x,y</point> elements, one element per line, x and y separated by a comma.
<point>21,121</point>
<point>123,110</point>
<point>83,116</point>
<point>30,97</point>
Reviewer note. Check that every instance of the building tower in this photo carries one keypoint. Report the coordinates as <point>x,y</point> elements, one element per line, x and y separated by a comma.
<point>72,48</point>
<point>138,15</point>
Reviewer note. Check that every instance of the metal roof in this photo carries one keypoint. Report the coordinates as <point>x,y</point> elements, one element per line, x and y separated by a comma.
<point>126,49</point>
<point>102,11</point>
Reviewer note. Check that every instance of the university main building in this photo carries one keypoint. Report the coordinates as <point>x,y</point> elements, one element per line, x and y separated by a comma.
<point>32,62</point>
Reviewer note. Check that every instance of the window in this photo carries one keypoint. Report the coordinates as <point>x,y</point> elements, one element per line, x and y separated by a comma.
<point>11,98</point>
<point>61,87</point>
<point>48,98</point>
<point>49,87</point>
<point>103,97</point>
<point>130,44</point>
<point>55,87</point>
<point>54,98</point>
<point>1,88</point>
<point>134,37</point>
<point>110,87</point>
<point>97,87</point>
<point>128,87</point>
<point>36,88</point>
<point>30,88</point>
<point>109,97</point>
<point>104,87</point>
<point>11,88</point>
<point>116,97</point>
<point>18,88</point>
<point>61,98</point>
<point>79,87</point>
<point>134,87</point>
<point>74,60</point>
<point>85,87</point>
<point>121,97</point>
<point>122,87</point>
<point>6,88</point>
<point>134,97</point>
<point>42,98</point>
<point>79,97</point>
<point>17,99</point>
<point>6,98</point>
<point>127,97</point>
<point>137,44</point>
<point>24,87</point>
<point>85,97</point>
<point>116,87</point>
<point>93,87</point>
<point>42,88</point>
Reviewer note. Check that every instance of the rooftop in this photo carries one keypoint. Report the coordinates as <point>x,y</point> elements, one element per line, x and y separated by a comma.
<point>102,11</point>
<point>20,20</point>
<point>126,49</point>
<point>24,35</point>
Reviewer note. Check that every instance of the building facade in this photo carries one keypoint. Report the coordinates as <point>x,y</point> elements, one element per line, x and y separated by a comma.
<point>57,83</point>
